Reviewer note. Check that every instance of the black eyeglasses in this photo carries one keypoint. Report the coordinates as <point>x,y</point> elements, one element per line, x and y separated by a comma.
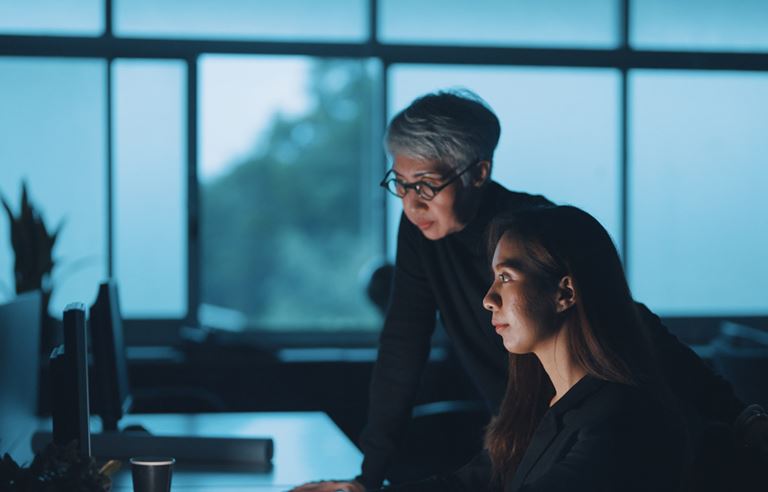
<point>425,191</point>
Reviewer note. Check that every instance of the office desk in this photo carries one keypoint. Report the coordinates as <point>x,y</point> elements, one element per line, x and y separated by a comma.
<point>308,446</point>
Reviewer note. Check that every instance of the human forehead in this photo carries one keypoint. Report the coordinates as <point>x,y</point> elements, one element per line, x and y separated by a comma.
<point>411,167</point>
<point>509,253</point>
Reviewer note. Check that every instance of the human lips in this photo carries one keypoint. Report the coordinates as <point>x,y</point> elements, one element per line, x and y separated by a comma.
<point>423,225</point>
<point>499,326</point>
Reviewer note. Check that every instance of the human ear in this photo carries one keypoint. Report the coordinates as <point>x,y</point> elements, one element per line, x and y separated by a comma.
<point>481,173</point>
<point>566,294</point>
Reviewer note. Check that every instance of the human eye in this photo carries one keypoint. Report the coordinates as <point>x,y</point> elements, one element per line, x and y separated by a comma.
<point>504,277</point>
<point>419,187</point>
<point>431,185</point>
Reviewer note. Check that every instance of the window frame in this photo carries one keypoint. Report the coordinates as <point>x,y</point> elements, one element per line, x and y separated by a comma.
<point>109,47</point>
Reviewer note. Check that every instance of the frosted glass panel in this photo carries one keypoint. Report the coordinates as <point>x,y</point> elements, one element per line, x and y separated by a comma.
<point>57,17</point>
<point>52,135</point>
<point>706,25</point>
<point>592,23</point>
<point>698,210</point>
<point>559,130</point>
<point>293,20</point>
<point>150,234</point>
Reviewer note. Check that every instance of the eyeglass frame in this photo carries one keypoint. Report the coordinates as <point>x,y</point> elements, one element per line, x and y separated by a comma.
<point>418,184</point>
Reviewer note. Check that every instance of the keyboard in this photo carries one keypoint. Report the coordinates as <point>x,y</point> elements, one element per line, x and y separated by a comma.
<point>185,449</point>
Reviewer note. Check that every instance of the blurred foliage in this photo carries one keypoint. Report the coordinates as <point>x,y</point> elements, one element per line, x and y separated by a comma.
<point>32,245</point>
<point>287,232</point>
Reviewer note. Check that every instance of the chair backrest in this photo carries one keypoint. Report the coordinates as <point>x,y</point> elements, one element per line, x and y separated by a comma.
<point>740,354</point>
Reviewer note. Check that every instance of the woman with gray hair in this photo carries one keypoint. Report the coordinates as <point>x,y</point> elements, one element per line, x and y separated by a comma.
<point>442,148</point>
<point>438,140</point>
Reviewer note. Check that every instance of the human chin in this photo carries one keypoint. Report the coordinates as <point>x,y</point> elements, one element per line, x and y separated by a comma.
<point>514,342</point>
<point>429,227</point>
<point>438,227</point>
<point>432,231</point>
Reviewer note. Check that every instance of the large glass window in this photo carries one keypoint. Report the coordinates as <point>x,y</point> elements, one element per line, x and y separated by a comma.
<point>706,25</point>
<point>586,23</point>
<point>328,20</point>
<point>52,17</point>
<point>150,199</point>
<point>699,227</point>
<point>287,221</point>
<point>289,199</point>
<point>559,130</point>
<point>52,135</point>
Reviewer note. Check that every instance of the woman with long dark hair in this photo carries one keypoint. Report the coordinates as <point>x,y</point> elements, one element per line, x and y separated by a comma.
<point>585,407</point>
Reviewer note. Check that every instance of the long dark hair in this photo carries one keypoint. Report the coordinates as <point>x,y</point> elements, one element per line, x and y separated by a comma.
<point>606,337</point>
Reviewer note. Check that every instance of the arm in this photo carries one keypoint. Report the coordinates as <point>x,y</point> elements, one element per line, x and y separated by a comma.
<point>475,476</point>
<point>403,350</point>
<point>690,378</point>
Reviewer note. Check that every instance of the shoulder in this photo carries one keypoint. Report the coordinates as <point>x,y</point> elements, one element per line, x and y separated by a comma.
<point>618,398</point>
<point>629,411</point>
<point>508,200</point>
<point>600,402</point>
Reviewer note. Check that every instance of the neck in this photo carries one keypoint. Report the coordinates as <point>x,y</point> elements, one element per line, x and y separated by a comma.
<point>559,365</point>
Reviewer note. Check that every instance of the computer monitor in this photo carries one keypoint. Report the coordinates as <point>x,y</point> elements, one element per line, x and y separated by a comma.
<point>112,397</point>
<point>19,371</point>
<point>69,382</point>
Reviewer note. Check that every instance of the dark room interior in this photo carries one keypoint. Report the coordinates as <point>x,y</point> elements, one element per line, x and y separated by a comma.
<point>206,181</point>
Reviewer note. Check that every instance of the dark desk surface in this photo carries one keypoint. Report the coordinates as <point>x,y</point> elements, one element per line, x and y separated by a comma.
<point>308,446</point>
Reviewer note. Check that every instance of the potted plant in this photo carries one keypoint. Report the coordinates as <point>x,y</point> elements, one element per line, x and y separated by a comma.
<point>33,249</point>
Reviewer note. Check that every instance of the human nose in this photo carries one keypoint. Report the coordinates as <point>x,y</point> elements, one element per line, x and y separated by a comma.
<point>491,301</point>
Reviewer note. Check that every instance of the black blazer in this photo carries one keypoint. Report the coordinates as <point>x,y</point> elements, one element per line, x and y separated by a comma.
<point>599,437</point>
<point>603,436</point>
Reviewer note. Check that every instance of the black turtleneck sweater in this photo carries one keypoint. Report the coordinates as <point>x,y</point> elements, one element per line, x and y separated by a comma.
<point>450,276</point>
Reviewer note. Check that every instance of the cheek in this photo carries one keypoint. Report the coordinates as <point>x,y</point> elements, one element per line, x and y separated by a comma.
<point>444,212</point>
<point>541,309</point>
<point>524,319</point>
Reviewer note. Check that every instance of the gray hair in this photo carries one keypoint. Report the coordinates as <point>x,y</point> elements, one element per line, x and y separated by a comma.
<point>454,127</point>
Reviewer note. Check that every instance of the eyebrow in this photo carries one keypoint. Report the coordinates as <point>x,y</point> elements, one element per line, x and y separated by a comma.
<point>420,173</point>
<point>511,264</point>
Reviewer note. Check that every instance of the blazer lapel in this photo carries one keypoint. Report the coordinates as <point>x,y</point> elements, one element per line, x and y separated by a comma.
<point>549,427</point>
<point>546,431</point>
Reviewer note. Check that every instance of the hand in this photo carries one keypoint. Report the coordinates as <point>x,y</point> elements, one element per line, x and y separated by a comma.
<point>330,486</point>
<point>751,430</point>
